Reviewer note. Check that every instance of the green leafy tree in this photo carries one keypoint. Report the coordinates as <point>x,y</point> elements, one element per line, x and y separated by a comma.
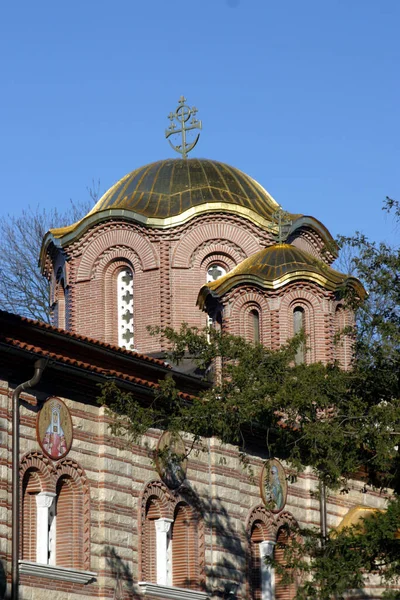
<point>342,424</point>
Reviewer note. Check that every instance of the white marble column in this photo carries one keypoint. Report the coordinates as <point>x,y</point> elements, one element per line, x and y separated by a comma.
<point>163,527</point>
<point>44,501</point>
<point>267,573</point>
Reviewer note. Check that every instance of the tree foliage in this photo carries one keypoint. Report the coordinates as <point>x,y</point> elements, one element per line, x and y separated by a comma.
<point>343,424</point>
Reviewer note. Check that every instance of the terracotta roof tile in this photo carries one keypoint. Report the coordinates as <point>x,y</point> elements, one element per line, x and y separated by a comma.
<point>82,338</point>
<point>87,366</point>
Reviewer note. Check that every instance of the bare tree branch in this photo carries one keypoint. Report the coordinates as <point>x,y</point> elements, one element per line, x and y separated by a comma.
<point>23,289</point>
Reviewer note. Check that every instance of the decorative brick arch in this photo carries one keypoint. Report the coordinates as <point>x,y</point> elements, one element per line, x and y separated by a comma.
<point>120,238</point>
<point>40,463</point>
<point>157,489</point>
<point>71,469</point>
<point>116,253</point>
<point>260,513</point>
<point>223,251</point>
<point>285,518</point>
<point>218,233</point>
<point>217,258</point>
<point>242,302</point>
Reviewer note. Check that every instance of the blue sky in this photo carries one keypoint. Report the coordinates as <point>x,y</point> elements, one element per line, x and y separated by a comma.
<point>303,96</point>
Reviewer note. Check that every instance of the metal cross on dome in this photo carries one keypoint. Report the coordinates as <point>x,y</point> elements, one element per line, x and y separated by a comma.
<point>282,219</point>
<point>182,115</point>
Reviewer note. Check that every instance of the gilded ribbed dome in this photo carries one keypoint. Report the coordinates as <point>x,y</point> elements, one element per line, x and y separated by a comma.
<point>274,267</point>
<point>168,188</point>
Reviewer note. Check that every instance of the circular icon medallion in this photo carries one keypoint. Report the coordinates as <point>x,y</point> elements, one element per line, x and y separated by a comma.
<point>171,461</point>
<point>273,485</point>
<point>54,428</point>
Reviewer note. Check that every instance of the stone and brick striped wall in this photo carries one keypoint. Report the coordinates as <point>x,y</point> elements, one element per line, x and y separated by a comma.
<point>107,529</point>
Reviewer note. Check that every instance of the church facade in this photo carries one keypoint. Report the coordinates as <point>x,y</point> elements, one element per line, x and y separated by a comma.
<point>193,241</point>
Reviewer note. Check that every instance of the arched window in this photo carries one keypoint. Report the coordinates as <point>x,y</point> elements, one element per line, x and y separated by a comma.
<point>298,326</point>
<point>171,541</point>
<point>69,523</point>
<point>261,575</point>
<point>61,308</point>
<point>285,591</point>
<point>214,272</point>
<point>254,316</point>
<point>184,548</point>
<point>125,309</point>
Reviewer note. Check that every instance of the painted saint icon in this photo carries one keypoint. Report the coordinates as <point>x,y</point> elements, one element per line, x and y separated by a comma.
<point>273,485</point>
<point>54,428</point>
<point>171,461</point>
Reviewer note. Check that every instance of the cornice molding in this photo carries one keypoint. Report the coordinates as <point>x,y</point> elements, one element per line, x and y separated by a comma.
<point>27,567</point>
<point>154,590</point>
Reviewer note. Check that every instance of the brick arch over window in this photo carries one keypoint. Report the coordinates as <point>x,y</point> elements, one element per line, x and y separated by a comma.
<point>217,233</point>
<point>111,255</point>
<point>72,516</point>
<point>222,251</point>
<point>217,258</point>
<point>110,239</point>
<point>36,460</point>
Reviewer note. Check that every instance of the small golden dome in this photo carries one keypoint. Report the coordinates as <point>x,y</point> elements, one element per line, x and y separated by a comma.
<point>274,267</point>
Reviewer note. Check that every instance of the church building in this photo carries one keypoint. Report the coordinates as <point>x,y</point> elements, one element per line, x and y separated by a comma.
<point>179,240</point>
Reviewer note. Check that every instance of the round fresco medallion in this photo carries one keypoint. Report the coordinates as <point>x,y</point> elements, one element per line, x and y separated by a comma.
<point>171,461</point>
<point>273,485</point>
<point>54,428</point>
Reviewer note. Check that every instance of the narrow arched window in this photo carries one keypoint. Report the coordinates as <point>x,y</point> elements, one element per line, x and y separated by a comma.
<point>214,272</point>
<point>298,326</point>
<point>61,308</point>
<point>255,325</point>
<point>125,309</point>
<point>283,591</point>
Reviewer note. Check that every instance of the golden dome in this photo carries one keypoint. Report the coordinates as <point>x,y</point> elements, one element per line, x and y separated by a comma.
<point>274,267</point>
<point>169,192</point>
<point>168,188</point>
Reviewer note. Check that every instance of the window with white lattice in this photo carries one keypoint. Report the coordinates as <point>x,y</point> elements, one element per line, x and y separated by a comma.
<point>125,309</point>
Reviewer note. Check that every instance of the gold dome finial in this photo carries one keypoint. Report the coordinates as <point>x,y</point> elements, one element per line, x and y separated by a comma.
<point>182,116</point>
